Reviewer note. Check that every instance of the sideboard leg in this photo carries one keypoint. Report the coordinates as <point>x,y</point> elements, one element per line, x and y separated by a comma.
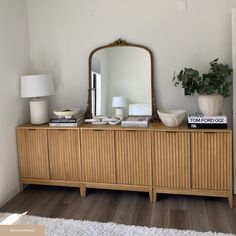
<point>21,187</point>
<point>82,190</point>
<point>154,196</point>
<point>151,195</point>
<point>231,201</point>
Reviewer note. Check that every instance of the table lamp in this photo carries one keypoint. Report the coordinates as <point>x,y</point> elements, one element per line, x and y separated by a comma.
<point>119,103</point>
<point>37,87</point>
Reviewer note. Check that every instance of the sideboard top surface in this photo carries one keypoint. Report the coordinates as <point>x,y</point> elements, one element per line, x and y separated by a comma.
<point>152,127</point>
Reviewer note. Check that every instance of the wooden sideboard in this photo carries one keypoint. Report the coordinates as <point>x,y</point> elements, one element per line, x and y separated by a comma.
<point>154,160</point>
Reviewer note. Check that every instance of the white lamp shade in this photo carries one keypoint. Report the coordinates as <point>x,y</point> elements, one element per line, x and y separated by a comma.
<point>36,85</point>
<point>118,102</point>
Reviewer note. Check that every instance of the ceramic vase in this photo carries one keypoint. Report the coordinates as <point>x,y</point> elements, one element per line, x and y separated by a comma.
<point>210,105</point>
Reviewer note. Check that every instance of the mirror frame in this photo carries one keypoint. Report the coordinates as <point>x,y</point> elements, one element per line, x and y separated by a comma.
<point>121,43</point>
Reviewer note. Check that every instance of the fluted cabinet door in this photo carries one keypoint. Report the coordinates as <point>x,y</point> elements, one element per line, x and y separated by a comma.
<point>64,155</point>
<point>171,159</point>
<point>33,154</point>
<point>133,157</point>
<point>98,156</point>
<point>211,161</point>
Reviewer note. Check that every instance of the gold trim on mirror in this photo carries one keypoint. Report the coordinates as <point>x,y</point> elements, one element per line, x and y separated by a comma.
<point>122,43</point>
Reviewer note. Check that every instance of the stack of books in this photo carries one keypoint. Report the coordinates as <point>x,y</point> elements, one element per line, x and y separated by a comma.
<point>199,121</point>
<point>74,121</point>
<point>136,121</point>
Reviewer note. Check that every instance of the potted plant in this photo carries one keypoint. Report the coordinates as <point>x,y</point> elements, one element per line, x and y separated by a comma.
<point>211,86</point>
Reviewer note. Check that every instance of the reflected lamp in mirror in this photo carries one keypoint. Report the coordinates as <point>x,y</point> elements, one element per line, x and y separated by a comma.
<point>37,87</point>
<point>119,103</point>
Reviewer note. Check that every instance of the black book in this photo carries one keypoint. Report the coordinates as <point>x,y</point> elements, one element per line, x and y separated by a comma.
<point>207,125</point>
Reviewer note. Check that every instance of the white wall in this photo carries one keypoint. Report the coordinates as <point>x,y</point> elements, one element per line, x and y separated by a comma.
<point>234,85</point>
<point>62,33</point>
<point>14,61</point>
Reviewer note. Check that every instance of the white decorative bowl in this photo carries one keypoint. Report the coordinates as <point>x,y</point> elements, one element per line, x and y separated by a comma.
<point>172,118</point>
<point>66,112</point>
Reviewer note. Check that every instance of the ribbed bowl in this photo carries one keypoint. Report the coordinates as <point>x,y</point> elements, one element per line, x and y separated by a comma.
<point>172,118</point>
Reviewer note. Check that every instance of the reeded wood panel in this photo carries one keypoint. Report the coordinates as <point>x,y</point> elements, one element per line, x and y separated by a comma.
<point>64,155</point>
<point>33,154</point>
<point>98,156</point>
<point>133,157</point>
<point>211,161</point>
<point>171,159</point>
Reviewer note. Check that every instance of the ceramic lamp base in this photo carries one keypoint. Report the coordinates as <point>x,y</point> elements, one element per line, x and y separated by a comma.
<point>39,111</point>
<point>119,111</point>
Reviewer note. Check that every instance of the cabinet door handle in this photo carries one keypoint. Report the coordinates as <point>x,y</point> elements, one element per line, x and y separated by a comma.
<point>31,129</point>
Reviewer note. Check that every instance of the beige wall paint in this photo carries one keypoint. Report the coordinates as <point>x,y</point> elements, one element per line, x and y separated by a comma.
<point>14,61</point>
<point>62,33</point>
<point>234,89</point>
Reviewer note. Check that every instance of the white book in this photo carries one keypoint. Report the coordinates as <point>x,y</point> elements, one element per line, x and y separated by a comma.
<point>136,120</point>
<point>135,125</point>
<point>65,124</point>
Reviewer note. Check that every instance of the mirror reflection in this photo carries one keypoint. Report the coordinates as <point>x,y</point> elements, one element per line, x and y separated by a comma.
<point>121,82</point>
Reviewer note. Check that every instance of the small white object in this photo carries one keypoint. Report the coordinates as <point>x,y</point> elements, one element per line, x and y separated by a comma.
<point>112,119</point>
<point>117,120</point>
<point>118,103</point>
<point>39,111</point>
<point>140,110</point>
<point>92,120</point>
<point>119,111</point>
<point>183,5</point>
<point>172,118</point>
<point>36,86</point>
<point>99,123</point>
<point>66,112</point>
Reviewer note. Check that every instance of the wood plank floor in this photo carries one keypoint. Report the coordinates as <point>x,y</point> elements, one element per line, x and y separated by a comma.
<point>131,208</point>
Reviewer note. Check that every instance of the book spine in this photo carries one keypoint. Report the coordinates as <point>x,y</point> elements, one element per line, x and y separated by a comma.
<point>63,120</point>
<point>208,120</point>
<point>134,125</point>
<point>64,124</point>
<point>207,126</point>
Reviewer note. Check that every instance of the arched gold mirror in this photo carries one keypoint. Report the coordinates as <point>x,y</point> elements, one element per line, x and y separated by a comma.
<point>122,70</point>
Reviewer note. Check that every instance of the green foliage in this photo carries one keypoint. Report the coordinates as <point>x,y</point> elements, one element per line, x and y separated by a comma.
<point>216,81</point>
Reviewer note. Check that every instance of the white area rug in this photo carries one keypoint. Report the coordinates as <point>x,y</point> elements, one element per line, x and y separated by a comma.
<point>63,227</point>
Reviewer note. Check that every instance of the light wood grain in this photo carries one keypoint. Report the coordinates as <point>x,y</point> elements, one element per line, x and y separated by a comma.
<point>171,159</point>
<point>33,154</point>
<point>64,154</point>
<point>133,157</point>
<point>211,161</point>
<point>127,187</point>
<point>50,182</point>
<point>155,159</point>
<point>153,127</point>
<point>98,156</point>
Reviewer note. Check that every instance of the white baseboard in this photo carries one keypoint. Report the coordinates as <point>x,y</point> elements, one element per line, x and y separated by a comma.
<point>9,195</point>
